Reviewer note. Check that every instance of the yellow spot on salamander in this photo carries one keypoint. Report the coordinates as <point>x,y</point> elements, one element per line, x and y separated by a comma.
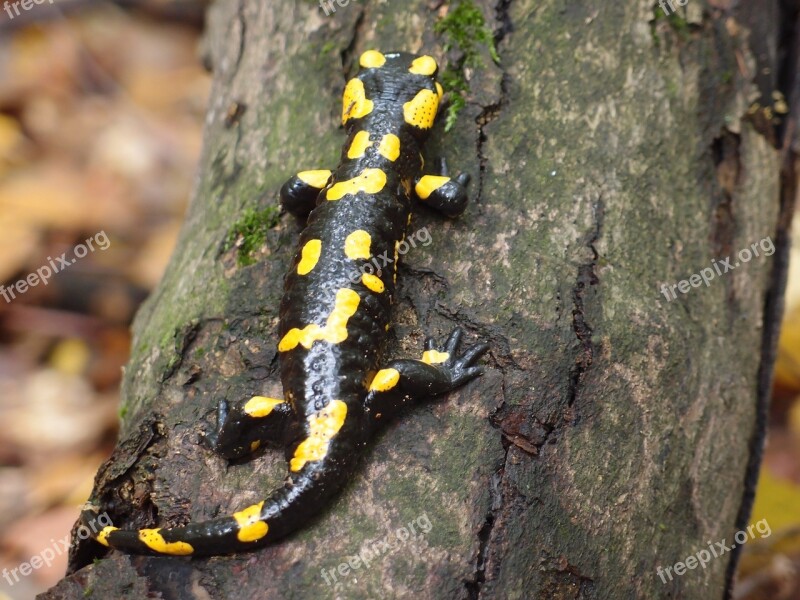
<point>423,65</point>
<point>102,537</point>
<point>397,254</point>
<point>439,90</point>
<point>251,527</point>
<point>335,329</point>
<point>354,101</point>
<point>357,245</point>
<point>390,146</point>
<point>360,144</point>
<point>153,539</point>
<point>372,282</point>
<point>255,445</point>
<point>372,59</point>
<point>370,181</point>
<point>434,357</point>
<point>317,178</point>
<point>385,379</point>
<point>322,427</point>
<point>420,111</point>
<point>261,406</point>
<point>429,184</point>
<point>309,256</point>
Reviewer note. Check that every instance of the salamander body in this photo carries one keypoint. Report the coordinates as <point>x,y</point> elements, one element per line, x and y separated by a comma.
<point>334,316</point>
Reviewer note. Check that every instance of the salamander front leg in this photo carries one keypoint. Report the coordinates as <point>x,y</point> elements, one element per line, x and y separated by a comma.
<point>407,381</point>
<point>243,428</point>
<point>443,193</point>
<point>299,193</point>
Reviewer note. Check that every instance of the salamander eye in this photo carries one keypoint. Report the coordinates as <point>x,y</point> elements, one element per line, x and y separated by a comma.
<point>423,65</point>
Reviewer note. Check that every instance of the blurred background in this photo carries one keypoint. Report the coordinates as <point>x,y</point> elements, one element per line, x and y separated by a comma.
<point>101,114</point>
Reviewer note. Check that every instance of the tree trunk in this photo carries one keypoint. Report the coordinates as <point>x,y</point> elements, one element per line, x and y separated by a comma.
<point>615,431</point>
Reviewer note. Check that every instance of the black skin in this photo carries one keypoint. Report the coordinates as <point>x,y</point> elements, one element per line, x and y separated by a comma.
<point>343,370</point>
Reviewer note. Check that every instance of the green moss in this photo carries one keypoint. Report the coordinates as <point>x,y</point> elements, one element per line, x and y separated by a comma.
<point>456,85</point>
<point>250,232</point>
<point>123,412</point>
<point>167,338</point>
<point>464,29</point>
<point>672,89</point>
<point>327,47</point>
<point>677,22</point>
<point>169,346</point>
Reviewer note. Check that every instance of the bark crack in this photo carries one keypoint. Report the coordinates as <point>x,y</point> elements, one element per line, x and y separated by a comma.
<point>586,278</point>
<point>584,358</point>
<point>484,534</point>
<point>490,112</point>
<point>240,18</point>
<point>116,488</point>
<point>486,116</point>
<point>348,51</point>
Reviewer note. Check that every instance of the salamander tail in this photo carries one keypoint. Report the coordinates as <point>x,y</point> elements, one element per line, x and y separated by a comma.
<point>252,527</point>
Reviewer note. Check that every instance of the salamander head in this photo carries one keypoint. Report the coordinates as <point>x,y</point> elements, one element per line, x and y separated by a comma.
<point>396,86</point>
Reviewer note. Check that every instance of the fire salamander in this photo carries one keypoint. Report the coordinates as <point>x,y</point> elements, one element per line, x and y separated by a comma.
<point>332,323</point>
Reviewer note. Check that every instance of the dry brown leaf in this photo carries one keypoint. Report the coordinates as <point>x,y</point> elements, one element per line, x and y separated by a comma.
<point>67,480</point>
<point>70,356</point>
<point>50,196</point>
<point>59,413</point>
<point>12,143</point>
<point>19,240</point>
<point>33,535</point>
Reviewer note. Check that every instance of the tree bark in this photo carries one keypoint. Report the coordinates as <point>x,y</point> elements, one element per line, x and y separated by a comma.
<point>614,432</point>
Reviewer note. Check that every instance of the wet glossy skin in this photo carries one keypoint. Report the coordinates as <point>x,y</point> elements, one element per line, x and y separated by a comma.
<point>334,315</point>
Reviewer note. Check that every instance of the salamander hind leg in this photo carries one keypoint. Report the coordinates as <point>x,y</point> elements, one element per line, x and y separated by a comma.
<point>299,194</point>
<point>243,427</point>
<point>438,371</point>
